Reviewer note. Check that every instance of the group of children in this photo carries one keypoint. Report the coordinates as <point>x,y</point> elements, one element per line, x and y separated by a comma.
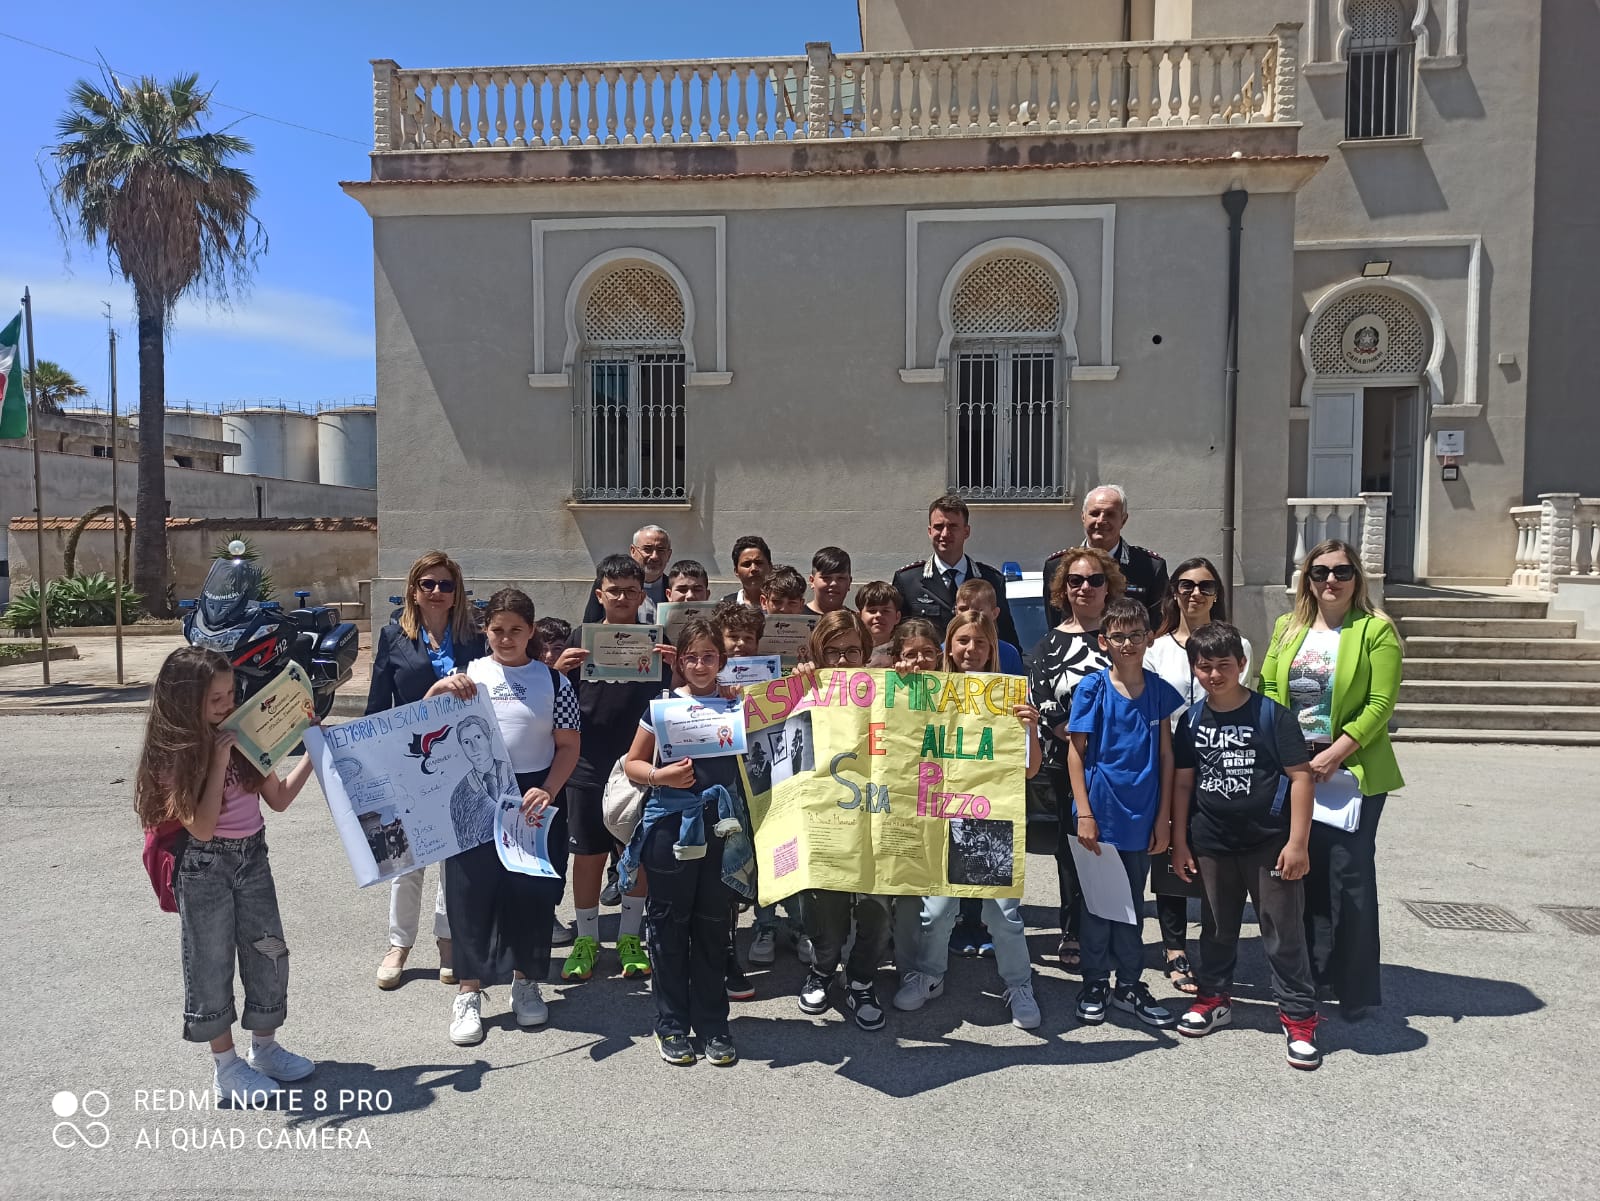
<point>1228,791</point>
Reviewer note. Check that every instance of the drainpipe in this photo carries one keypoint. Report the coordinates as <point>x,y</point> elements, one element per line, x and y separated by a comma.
<point>1233,201</point>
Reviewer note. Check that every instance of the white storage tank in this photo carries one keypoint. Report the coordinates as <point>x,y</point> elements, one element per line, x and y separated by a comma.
<point>272,442</point>
<point>192,423</point>
<point>347,446</point>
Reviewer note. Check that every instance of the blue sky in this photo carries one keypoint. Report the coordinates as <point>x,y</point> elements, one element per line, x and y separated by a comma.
<point>304,333</point>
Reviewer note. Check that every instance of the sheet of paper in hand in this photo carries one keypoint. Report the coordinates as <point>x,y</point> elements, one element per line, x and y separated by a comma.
<point>621,652</point>
<point>701,727</point>
<point>875,782</point>
<point>786,635</point>
<point>271,722</point>
<point>524,842</point>
<point>674,615</point>
<point>414,785</point>
<point>750,669</point>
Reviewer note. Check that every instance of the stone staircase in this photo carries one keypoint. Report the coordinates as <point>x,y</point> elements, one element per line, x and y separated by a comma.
<point>1491,666</point>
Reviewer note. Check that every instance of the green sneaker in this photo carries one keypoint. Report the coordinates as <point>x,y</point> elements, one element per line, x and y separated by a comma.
<point>580,962</point>
<point>631,951</point>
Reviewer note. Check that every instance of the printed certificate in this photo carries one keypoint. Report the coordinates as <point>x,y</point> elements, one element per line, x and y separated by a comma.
<point>621,652</point>
<point>701,727</point>
<point>271,723</point>
<point>674,615</point>
<point>750,669</point>
<point>786,635</point>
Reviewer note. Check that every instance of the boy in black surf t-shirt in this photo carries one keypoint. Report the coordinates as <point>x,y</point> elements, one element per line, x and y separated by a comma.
<point>1236,826</point>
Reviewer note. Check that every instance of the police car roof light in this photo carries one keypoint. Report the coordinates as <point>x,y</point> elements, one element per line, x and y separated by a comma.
<point>1011,569</point>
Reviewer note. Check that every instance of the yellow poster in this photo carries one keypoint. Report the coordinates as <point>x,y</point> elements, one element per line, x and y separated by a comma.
<point>869,781</point>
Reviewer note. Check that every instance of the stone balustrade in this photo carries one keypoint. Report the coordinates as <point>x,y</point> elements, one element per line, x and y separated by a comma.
<point>1362,521</point>
<point>964,93</point>
<point>1557,538</point>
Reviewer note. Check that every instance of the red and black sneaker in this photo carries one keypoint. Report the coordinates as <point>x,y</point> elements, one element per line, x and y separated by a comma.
<point>1302,1036</point>
<point>1206,1014</point>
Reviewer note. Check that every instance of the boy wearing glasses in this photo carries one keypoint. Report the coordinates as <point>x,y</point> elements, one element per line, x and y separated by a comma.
<point>1120,761</point>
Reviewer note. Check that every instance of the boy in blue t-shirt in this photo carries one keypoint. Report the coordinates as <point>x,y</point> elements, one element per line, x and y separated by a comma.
<point>1120,760</point>
<point>1244,835</point>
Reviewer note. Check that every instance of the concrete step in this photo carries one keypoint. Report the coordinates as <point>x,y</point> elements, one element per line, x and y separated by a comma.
<point>1538,671</point>
<point>1512,737</point>
<point>1497,692</point>
<point>1429,647</point>
<point>1416,606</point>
<point>1494,627</point>
<point>1497,717</point>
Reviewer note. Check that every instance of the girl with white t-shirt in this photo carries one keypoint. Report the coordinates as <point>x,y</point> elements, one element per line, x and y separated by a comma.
<point>1195,598</point>
<point>502,919</point>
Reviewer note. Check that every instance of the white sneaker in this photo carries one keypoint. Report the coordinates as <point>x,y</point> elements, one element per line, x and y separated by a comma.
<point>281,1064</point>
<point>526,1004</point>
<point>917,989</point>
<point>764,948</point>
<point>466,1019</point>
<point>240,1086</point>
<point>805,952</point>
<point>1024,1008</point>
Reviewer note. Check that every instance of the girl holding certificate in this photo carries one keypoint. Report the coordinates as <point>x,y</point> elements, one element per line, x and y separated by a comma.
<point>687,911</point>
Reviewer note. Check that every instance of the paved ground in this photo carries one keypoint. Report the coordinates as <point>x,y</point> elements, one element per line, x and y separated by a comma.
<point>1478,1080</point>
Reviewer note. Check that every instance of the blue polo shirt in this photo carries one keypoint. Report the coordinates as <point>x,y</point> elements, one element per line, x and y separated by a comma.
<point>1011,660</point>
<point>1123,758</point>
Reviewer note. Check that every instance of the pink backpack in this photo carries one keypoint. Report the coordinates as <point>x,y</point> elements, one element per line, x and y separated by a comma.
<point>160,861</point>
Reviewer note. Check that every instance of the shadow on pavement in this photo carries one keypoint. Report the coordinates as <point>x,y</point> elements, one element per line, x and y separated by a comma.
<point>46,697</point>
<point>355,1092</point>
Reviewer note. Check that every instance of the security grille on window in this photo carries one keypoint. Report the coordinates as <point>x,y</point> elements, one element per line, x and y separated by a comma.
<point>1005,399</point>
<point>630,413</point>
<point>1378,80</point>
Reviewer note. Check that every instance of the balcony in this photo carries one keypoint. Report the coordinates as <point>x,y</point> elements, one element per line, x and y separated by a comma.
<point>1189,99</point>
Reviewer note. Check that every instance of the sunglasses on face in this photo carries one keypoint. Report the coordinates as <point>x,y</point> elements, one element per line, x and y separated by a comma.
<point>444,586</point>
<point>1097,580</point>
<point>1203,587</point>
<point>1343,573</point>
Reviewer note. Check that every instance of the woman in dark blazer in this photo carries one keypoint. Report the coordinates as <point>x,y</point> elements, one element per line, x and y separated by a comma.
<point>433,637</point>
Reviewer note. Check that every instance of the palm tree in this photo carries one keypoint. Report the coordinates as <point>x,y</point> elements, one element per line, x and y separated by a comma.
<point>136,170</point>
<point>50,384</point>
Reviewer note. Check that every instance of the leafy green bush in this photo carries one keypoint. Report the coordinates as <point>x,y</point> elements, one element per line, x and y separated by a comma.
<point>77,600</point>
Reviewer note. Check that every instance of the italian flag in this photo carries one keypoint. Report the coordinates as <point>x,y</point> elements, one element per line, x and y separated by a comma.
<point>14,412</point>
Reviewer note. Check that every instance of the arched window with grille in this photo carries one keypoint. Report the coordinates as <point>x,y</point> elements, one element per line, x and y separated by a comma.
<point>630,415</point>
<point>1379,77</point>
<point>1006,379</point>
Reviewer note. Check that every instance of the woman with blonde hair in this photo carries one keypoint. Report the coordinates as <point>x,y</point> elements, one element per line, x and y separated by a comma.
<point>1335,661</point>
<point>1086,582</point>
<point>433,637</point>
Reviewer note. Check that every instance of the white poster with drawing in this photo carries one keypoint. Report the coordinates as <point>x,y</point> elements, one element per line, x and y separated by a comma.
<point>417,784</point>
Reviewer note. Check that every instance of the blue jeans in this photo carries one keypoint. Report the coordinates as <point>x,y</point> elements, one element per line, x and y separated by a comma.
<point>228,908</point>
<point>1004,920</point>
<point>1107,944</point>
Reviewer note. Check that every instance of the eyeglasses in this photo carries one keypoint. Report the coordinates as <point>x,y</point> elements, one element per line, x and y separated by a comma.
<point>1344,573</point>
<point>1124,637</point>
<point>621,594</point>
<point>699,660</point>
<point>1097,580</point>
<point>841,655</point>
<point>444,586</point>
<point>1204,587</point>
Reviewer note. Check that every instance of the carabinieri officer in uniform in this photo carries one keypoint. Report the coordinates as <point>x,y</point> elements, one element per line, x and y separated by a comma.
<point>927,587</point>
<point>1105,512</point>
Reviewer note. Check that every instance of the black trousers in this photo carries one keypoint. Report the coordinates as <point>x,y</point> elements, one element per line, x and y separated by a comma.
<point>1228,880</point>
<point>1342,908</point>
<point>500,920</point>
<point>1066,870</point>
<point>1172,915</point>
<point>827,919</point>
<point>686,921</point>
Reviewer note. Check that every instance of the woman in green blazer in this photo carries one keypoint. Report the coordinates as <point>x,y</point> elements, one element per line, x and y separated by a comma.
<point>1335,662</point>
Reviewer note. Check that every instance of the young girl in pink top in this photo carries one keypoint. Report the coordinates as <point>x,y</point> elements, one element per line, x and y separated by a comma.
<point>189,772</point>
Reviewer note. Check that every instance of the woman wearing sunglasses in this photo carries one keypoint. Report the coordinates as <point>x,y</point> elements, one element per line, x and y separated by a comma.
<point>1195,598</point>
<point>1066,655</point>
<point>434,637</point>
<point>1335,662</point>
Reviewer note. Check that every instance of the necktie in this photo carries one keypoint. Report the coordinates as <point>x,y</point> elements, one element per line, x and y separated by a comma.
<point>950,578</point>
